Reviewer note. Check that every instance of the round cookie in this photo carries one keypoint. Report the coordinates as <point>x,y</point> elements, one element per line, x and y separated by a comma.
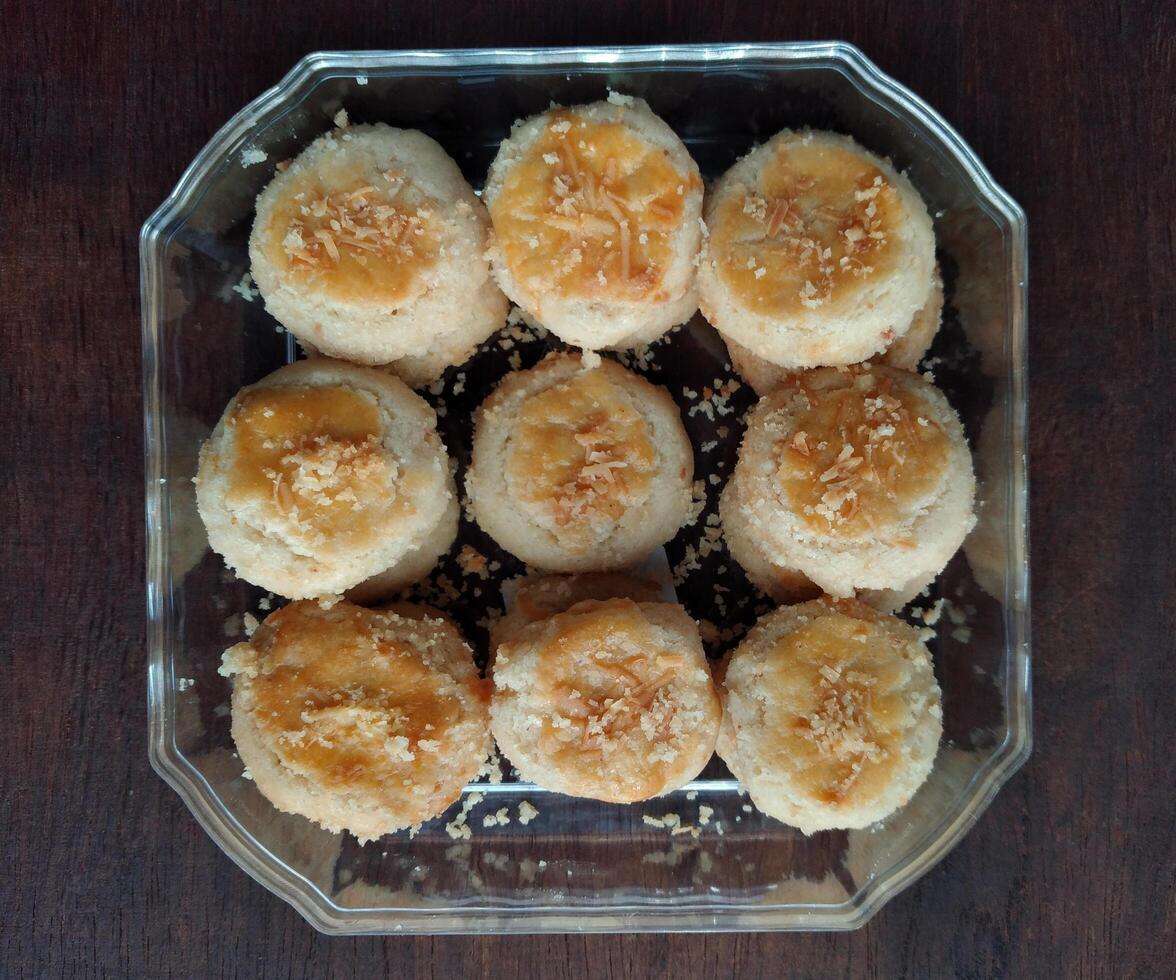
<point>818,252</point>
<point>858,479</point>
<point>362,720</point>
<point>906,351</point>
<point>831,715</point>
<point>371,247</point>
<point>579,468</point>
<point>609,700</point>
<point>597,222</point>
<point>322,475</point>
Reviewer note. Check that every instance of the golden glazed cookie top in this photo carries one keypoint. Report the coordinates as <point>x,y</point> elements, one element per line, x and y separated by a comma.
<point>357,700</point>
<point>832,714</point>
<point>858,451</point>
<point>841,701</point>
<point>605,702</point>
<point>810,232</point>
<point>312,457</point>
<point>354,235</point>
<point>579,455</point>
<point>589,209</point>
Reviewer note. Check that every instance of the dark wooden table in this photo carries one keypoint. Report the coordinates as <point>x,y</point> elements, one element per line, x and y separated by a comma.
<point>1069,874</point>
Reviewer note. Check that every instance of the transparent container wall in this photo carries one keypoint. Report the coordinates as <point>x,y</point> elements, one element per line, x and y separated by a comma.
<point>579,864</point>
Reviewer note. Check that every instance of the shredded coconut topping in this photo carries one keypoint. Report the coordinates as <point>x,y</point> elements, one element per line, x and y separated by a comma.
<point>361,222</point>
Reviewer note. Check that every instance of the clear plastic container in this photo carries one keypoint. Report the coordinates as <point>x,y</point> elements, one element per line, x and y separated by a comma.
<point>580,865</point>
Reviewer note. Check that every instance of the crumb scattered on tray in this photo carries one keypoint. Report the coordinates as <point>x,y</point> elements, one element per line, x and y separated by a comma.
<point>246,289</point>
<point>500,818</point>
<point>458,828</point>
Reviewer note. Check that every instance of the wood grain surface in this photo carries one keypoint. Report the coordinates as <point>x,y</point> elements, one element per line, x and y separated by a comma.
<point>1072,871</point>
